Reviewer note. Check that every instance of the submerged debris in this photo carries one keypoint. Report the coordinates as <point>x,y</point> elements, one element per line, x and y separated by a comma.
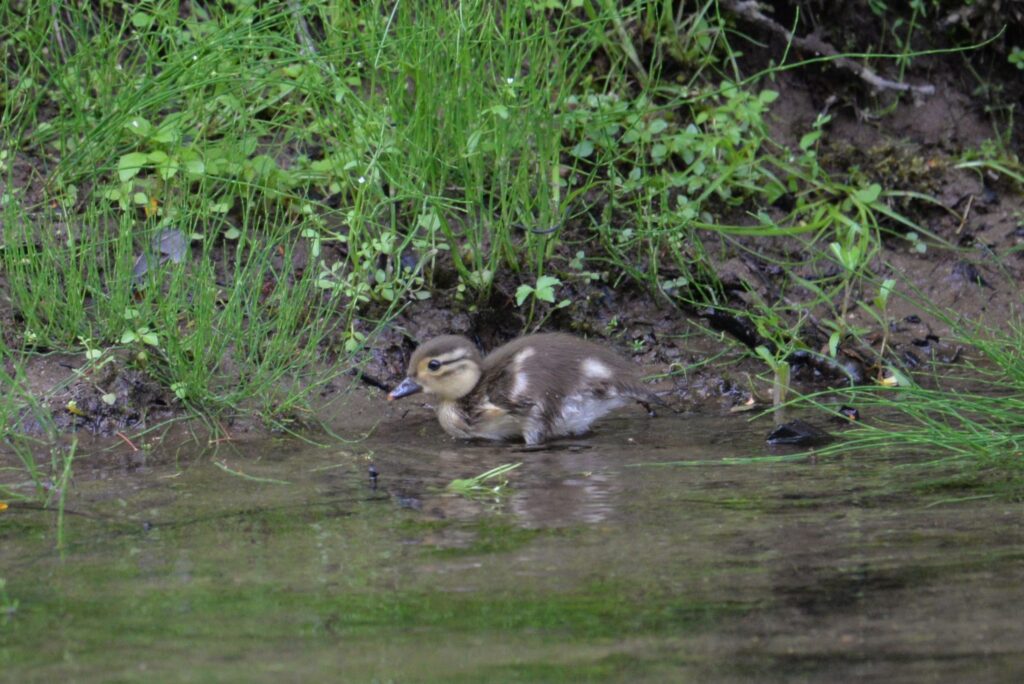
<point>798,433</point>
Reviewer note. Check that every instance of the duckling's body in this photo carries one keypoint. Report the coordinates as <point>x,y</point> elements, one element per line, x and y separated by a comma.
<point>536,387</point>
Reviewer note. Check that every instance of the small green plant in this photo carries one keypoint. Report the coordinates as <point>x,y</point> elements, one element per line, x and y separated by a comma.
<point>141,335</point>
<point>916,243</point>
<point>779,366</point>
<point>164,153</point>
<point>375,270</point>
<point>855,244</point>
<point>1016,57</point>
<point>180,390</point>
<point>490,484</point>
<point>578,263</point>
<point>878,308</point>
<point>543,290</point>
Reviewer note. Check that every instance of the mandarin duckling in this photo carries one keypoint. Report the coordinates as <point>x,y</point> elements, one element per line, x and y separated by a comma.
<point>536,387</point>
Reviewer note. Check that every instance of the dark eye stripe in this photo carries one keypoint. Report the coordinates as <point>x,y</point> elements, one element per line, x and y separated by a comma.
<point>452,369</point>
<point>436,363</point>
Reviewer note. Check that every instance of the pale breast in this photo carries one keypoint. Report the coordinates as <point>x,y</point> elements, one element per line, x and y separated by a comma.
<point>452,420</point>
<point>492,422</point>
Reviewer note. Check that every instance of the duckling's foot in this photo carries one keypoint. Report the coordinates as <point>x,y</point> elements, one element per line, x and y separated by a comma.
<point>654,399</point>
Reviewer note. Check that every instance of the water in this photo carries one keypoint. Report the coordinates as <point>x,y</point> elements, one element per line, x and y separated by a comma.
<point>600,563</point>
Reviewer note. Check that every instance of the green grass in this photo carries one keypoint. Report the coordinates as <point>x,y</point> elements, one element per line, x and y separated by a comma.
<point>966,421</point>
<point>37,464</point>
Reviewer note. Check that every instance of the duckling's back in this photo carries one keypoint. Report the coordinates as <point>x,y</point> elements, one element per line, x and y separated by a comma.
<point>559,384</point>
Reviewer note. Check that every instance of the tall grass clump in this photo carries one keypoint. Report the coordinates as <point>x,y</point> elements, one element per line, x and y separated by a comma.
<point>35,465</point>
<point>971,417</point>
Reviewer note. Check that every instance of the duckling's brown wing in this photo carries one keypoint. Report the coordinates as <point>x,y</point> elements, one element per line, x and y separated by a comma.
<point>500,389</point>
<point>490,412</point>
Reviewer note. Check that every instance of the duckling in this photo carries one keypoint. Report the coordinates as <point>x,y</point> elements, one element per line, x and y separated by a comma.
<point>536,387</point>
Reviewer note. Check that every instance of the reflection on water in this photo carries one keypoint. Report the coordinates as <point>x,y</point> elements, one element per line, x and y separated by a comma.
<point>607,559</point>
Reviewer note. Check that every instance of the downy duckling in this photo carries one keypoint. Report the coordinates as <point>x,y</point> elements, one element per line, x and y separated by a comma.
<point>536,387</point>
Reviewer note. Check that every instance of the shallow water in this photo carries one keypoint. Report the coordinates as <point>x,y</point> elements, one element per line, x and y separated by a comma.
<point>609,559</point>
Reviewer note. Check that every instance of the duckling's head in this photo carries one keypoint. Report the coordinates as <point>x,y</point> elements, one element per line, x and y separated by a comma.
<point>447,366</point>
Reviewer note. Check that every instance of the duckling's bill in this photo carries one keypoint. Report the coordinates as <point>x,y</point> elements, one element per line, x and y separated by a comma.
<point>404,389</point>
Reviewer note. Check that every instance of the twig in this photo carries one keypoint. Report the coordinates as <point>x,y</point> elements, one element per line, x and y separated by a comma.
<point>252,478</point>
<point>302,30</point>
<point>127,441</point>
<point>967,212</point>
<point>627,47</point>
<point>750,10</point>
<point>371,380</point>
<point>55,14</point>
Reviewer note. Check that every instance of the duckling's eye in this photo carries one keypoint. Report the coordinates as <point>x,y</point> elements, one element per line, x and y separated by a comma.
<point>434,365</point>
